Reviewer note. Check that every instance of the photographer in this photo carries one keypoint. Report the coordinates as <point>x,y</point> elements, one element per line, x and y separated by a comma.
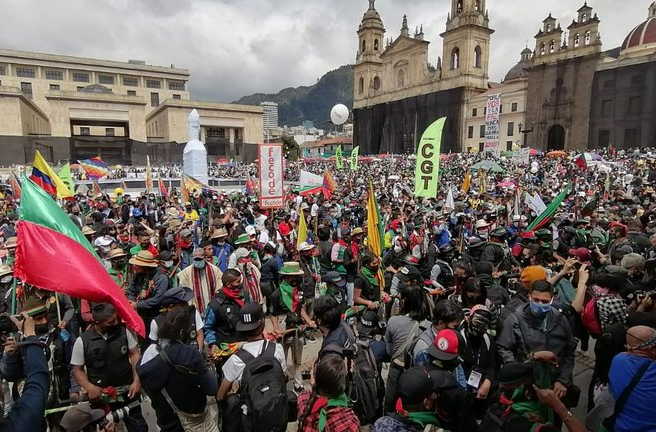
<point>27,412</point>
<point>106,355</point>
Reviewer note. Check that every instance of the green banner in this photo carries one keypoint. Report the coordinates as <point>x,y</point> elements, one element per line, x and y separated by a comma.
<point>338,157</point>
<point>428,160</point>
<point>354,158</point>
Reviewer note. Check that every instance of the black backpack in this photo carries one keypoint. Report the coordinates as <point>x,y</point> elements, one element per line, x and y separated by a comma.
<point>263,391</point>
<point>366,389</point>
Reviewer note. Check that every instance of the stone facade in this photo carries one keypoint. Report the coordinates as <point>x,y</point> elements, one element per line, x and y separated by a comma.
<point>225,128</point>
<point>109,108</point>
<point>399,75</point>
<point>560,83</point>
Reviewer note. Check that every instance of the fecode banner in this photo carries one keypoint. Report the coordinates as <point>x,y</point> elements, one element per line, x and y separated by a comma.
<point>428,160</point>
<point>271,175</point>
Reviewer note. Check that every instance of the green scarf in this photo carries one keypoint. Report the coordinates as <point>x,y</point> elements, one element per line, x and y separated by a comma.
<point>339,401</point>
<point>531,407</point>
<point>423,418</point>
<point>369,276</point>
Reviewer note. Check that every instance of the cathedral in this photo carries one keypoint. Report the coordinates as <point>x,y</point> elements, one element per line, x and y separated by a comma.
<point>565,93</point>
<point>398,93</point>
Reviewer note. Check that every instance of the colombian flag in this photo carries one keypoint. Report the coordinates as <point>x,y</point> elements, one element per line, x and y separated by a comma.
<point>44,176</point>
<point>54,255</point>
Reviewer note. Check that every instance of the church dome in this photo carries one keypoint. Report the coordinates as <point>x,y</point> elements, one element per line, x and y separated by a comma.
<point>371,18</point>
<point>644,34</point>
<point>520,70</point>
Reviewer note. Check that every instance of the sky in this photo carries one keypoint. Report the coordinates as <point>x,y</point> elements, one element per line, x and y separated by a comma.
<point>235,48</point>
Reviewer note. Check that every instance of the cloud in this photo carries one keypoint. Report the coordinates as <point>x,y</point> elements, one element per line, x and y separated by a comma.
<point>238,47</point>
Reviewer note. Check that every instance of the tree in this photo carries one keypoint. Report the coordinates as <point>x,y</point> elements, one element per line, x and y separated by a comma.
<point>290,148</point>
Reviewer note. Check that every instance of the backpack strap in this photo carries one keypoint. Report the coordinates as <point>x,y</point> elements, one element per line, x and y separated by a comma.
<point>269,349</point>
<point>621,401</point>
<point>244,355</point>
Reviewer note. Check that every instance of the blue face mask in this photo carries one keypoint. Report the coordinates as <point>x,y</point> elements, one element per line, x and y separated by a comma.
<point>540,310</point>
<point>199,264</point>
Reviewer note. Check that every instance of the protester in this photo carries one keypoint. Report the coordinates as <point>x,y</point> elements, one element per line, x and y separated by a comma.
<point>465,284</point>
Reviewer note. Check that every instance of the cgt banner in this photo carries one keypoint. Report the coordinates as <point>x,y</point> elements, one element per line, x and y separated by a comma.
<point>428,160</point>
<point>271,175</point>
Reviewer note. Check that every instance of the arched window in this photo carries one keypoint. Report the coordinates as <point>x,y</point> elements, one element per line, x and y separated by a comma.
<point>477,57</point>
<point>375,44</point>
<point>552,46</point>
<point>376,83</point>
<point>478,5</point>
<point>548,29</point>
<point>588,37</point>
<point>364,45</point>
<point>400,78</point>
<point>542,47</point>
<point>458,8</point>
<point>361,86</point>
<point>455,58</point>
<point>577,40</point>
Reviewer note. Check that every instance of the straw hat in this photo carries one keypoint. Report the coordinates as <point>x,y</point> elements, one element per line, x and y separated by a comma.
<point>356,231</point>
<point>5,270</point>
<point>291,268</point>
<point>219,233</point>
<point>11,243</point>
<point>144,259</point>
<point>87,230</point>
<point>305,246</point>
<point>116,253</point>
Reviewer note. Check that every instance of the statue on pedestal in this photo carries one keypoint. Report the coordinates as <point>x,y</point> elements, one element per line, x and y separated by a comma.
<point>194,156</point>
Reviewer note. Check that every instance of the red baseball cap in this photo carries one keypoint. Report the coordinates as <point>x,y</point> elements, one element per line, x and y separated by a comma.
<point>582,254</point>
<point>445,345</point>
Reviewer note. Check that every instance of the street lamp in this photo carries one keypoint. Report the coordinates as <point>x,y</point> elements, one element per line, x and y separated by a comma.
<point>525,132</point>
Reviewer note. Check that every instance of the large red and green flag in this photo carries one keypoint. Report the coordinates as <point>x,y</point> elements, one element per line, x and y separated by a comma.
<point>547,215</point>
<point>54,255</point>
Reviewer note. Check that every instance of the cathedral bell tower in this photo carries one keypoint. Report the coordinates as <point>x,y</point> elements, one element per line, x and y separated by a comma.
<point>370,34</point>
<point>466,43</point>
<point>368,66</point>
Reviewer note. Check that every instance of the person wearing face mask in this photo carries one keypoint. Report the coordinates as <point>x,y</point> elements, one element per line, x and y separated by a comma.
<point>185,247</point>
<point>537,326</point>
<point>447,314</point>
<point>149,284</point>
<point>75,216</point>
<point>106,355</point>
<point>222,314</point>
<point>6,282</point>
<point>478,354</point>
<point>118,269</point>
<point>368,285</point>
<point>169,262</point>
<point>222,249</point>
<point>190,213</point>
<point>204,279</point>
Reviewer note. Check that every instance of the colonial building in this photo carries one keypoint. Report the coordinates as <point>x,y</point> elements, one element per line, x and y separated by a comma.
<point>398,93</point>
<point>560,82</point>
<point>73,108</point>
<point>512,92</point>
<point>623,106</point>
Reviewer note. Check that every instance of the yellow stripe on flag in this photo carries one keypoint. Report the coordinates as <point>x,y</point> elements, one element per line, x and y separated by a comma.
<point>302,230</point>
<point>40,163</point>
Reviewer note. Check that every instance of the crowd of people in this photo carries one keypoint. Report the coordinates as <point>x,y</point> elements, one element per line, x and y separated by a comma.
<point>474,316</point>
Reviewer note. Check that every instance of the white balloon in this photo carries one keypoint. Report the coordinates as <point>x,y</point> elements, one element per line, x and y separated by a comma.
<point>339,114</point>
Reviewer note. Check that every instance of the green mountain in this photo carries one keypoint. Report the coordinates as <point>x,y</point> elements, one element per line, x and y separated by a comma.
<point>310,102</point>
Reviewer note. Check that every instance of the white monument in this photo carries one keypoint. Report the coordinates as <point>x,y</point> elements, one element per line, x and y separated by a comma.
<point>194,157</point>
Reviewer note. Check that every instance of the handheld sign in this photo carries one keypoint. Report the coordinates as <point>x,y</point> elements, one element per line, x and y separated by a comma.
<point>428,160</point>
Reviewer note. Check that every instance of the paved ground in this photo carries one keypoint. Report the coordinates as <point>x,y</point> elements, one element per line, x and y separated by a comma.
<point>582,377</point>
